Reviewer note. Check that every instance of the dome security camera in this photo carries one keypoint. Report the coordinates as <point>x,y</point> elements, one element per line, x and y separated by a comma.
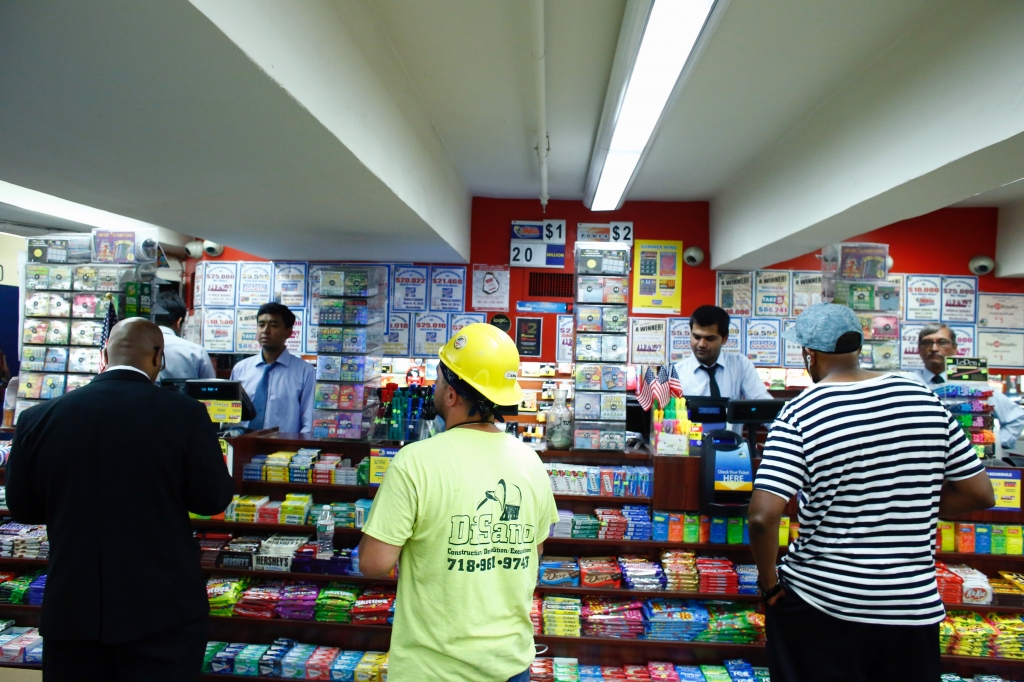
<point>693,256</point>
<point>212,248</point>
<point>194,249</point>
<point>981,265</point>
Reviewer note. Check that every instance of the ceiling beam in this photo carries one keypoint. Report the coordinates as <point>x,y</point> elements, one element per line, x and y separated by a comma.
<point>937,118</point>
<point>336,60</point>
<point>1010,241</point>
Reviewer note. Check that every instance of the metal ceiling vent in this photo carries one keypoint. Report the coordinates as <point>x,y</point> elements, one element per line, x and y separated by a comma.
<point>551,285</point>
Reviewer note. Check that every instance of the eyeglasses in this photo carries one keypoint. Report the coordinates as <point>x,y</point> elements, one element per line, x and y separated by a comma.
<point>941,343</point>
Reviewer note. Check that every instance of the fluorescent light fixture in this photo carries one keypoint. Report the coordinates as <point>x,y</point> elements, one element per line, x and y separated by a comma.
<point>31,200</point>
<point>670,30</point>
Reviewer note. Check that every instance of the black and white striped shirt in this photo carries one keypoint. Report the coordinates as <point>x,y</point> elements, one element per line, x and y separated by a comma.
<point>870,456</point>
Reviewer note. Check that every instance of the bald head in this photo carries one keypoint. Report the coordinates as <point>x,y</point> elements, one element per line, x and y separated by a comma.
<point>137,343</point>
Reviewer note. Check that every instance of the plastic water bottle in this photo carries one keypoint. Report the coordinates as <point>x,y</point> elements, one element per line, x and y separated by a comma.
<point>325,533</point>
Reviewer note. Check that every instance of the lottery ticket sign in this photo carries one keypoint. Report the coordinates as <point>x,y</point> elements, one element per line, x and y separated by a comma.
<point>537,244</point>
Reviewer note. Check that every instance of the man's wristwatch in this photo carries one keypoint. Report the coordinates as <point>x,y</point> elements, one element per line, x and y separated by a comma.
<point>767,595</point>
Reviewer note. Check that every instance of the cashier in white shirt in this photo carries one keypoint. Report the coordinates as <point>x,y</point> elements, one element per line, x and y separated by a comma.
<point>709,371</point>
<point>935,343</point>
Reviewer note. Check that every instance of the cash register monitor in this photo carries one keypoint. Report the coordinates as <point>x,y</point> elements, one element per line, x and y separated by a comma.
<point>176,385</point>
<point>754,411</point>
<point>710,410</point>
<point>221,389</point>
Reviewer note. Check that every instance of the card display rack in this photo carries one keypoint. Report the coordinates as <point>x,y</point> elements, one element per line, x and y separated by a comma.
<point>350,338</point>
<point>601,345</point>
<point>854,275</point>
<point>61,326</point>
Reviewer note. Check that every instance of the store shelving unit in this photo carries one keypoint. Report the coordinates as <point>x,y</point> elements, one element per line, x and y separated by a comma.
<point>675,483</point>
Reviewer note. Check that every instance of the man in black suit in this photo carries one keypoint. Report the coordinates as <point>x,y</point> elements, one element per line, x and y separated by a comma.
<point>113,469</point>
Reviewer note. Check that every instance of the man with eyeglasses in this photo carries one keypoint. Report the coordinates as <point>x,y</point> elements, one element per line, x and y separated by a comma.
<point>935,343</point>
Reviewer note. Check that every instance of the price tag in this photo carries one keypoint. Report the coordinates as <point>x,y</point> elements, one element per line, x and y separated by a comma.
<point>621,232</point>
<point>554,232</point>
<point>537,244</point>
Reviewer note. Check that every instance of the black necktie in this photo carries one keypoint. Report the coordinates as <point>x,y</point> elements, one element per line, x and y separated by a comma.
<point>937,379</point>
<point>712,383</point>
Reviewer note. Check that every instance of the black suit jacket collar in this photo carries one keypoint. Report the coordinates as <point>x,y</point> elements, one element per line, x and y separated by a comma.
<point>122,375</point>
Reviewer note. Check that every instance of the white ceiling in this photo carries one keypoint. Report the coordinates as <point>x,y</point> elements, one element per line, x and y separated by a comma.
<point>767,66</point>
<point>149,110</point>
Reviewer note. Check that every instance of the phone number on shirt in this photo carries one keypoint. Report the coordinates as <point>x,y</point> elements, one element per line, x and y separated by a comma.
<point>487,564</point>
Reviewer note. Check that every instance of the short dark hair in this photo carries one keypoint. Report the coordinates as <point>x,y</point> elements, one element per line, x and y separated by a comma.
<point>168,309</point>
<point>282,311</point>
<point>934,328</point>
<point>708,315</point>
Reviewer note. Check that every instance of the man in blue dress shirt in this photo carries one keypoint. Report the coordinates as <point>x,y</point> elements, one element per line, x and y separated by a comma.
<point>279,384</point>
<point>185,360</point>
<point>712,373</point>
<point>935,343</point>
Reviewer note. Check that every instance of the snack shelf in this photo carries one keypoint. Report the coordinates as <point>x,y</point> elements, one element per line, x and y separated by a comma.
<point>575,455</point>
<point>951,557</point>
<point>23,666</point>
<point>270,528</point>
<point>978,660</point>
<point>601,499</point>
<point>15,562</point>
<point>724,649</point>
<point>645,594</point>
<point>284,623</point>
<point>272,487</point>
<point>647,544</point>
<point>237,527</point>
<point>312,577</point>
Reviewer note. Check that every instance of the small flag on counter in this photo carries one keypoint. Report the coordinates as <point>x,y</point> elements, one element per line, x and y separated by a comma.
<point>645,388</point>
<point>661,389</point>
<point>675,384</point>
<point>108,323</point>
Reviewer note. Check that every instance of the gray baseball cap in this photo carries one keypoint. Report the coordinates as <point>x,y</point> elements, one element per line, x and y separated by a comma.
<point>824,326</point>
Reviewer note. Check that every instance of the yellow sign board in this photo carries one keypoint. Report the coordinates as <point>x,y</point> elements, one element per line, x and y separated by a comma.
<point>1006,485</point>
<point>224,411</point>
<point>657,276</point>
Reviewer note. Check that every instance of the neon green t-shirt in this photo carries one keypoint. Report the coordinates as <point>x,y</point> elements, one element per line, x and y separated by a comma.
<point>469,509</point>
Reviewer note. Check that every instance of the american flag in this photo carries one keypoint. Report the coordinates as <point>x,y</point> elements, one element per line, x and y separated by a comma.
<point>661,390</point>
<point>675,384</point>
<point>645,388</point>
<point>108,323</point>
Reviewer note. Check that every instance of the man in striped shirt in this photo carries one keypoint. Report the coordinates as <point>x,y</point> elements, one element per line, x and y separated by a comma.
<point>878,459</point>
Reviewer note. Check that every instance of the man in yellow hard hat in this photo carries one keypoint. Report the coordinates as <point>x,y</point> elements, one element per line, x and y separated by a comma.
<point>467,511</point>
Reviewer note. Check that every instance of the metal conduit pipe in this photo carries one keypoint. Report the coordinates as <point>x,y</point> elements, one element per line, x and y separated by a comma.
<point>543,143</point>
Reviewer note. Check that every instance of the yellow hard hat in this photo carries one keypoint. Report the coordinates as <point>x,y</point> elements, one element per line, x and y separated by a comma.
<point>485,358</point>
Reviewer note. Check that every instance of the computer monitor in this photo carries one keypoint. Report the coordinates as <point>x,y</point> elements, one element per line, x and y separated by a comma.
<point>711,410</point>
<point>221,389</point>
<point>754,411</point>
<point>176,385</point>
